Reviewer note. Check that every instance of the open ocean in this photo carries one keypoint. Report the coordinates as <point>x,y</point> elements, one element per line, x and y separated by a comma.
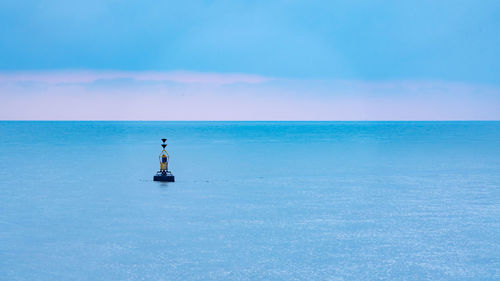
<point>251,201</point>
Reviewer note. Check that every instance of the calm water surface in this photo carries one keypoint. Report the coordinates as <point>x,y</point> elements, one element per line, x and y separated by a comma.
<point>253,200</point>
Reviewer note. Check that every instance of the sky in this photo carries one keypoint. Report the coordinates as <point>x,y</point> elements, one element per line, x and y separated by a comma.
<point>249,60</point>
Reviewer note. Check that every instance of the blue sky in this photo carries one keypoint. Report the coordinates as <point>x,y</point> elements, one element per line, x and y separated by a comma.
<point>295,42</point>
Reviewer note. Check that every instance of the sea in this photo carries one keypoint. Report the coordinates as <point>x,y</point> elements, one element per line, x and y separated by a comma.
<point>250,201</point>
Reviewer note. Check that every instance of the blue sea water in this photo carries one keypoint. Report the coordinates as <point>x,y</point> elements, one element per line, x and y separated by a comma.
<point>251,201</point>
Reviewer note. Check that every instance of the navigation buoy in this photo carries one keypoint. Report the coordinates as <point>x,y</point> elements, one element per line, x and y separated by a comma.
<point>164,174</point>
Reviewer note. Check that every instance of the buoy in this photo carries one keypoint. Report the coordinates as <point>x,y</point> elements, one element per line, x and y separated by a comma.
<point>164,174</point>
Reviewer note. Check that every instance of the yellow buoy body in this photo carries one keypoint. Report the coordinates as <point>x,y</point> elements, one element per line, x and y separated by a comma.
<point>164,163</point>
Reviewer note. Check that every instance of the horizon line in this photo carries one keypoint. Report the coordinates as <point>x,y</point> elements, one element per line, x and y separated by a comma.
<point>351,120</point>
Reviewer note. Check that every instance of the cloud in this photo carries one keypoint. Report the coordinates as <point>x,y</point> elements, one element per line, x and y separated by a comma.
<point>122,95</point>
<point>68,77</point>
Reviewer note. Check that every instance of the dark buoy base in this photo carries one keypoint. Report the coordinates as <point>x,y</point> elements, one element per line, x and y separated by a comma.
<point>164,177</point>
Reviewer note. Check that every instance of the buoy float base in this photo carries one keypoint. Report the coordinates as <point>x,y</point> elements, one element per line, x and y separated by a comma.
<point>164,177</point>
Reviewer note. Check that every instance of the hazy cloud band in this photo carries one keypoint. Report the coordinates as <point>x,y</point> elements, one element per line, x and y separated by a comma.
<point>181,95</point>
